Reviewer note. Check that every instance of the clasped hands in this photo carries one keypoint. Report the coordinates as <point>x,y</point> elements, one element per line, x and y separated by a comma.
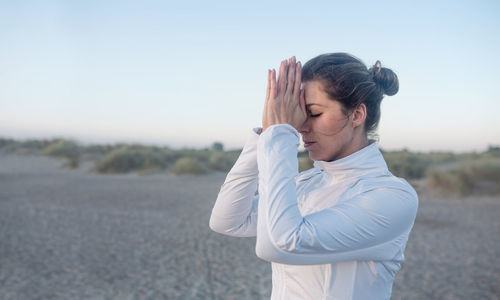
<point>285,101</point>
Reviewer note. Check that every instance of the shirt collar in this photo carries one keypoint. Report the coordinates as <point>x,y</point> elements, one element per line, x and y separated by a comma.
<point>362,162</point>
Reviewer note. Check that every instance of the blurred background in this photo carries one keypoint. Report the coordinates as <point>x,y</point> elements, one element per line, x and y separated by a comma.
<point>111,111</point>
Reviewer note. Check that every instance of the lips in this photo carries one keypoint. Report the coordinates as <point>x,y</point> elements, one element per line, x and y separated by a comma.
<point>308,143</point>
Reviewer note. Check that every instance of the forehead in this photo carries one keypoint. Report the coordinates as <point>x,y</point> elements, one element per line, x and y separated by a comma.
<point>315,96</point>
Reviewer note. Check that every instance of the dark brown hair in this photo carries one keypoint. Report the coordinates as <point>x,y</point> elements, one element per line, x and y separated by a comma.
<point>346,79</point>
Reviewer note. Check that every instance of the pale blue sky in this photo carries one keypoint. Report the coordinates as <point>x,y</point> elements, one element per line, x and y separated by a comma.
<point>189,74</point>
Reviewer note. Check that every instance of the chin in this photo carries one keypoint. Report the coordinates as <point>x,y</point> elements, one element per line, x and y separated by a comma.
<point>314,156</point>
<point>324,153</point>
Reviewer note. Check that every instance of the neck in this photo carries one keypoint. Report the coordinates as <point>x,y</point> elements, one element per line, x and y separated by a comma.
<point>358,142</point>
<point>365,161</point>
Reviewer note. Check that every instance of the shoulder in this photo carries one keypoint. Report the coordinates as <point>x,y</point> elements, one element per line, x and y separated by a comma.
<point>385,182</point>
<point>387,192</point>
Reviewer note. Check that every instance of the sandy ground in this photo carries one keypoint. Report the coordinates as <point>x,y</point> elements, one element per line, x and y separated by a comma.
<point>69,234</point>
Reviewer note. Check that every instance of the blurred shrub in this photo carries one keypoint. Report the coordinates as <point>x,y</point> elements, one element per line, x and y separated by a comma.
<point>130,158</point>
<point>485,169</point>
<point>96,152</point>
<point>452,181</point>
<point>202,155</point>
<point>406,164</point>
<point>439,157</point>
<point>149,159</point>
<point>34,145</point>
<point>472,177</point>
<point>305,163</point>
<point>222,161</point>
<point>8,145</point>
<point>5,141</point>
<point>188,165</point>
<point>218,146</point>
<point>64,149</point>
<point>492,152</point>
<point>414,165</point>
<point>29,146</point>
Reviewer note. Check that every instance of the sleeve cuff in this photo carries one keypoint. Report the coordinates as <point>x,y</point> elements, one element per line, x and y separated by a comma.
<point>281,128</point>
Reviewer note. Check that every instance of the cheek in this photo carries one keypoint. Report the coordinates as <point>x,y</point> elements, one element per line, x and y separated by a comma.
<point>330,126</point>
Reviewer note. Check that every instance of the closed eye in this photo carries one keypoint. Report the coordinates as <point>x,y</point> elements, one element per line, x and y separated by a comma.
<point>314,116</point>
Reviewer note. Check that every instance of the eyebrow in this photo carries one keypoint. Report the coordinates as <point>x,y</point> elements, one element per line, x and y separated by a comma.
<point>314,104</point>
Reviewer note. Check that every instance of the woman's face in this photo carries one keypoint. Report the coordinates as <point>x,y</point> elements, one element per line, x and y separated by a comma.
<point>327,132</point>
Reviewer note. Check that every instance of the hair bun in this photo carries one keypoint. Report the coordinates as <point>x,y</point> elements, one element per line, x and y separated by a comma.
<point>385,78</point>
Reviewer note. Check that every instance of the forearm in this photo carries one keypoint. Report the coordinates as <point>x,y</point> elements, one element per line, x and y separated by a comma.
<point>235,210</point>
<point>278,167</point>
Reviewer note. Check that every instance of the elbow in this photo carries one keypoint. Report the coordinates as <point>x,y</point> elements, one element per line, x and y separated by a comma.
<point>229,229</point>
<point>216,225</point>
<point>262,254</point>
<point>219,227</point>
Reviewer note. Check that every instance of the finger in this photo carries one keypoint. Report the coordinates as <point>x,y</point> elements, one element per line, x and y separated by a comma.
<point>282,77</point>
<point>291,75</point>
<point>273,84</point>
<point>303,101</point>
<point>298,79</point>
<point>268,89</point>
<point>280,71</point>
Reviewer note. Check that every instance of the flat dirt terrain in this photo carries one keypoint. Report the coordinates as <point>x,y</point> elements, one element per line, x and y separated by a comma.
<point>71,234</point>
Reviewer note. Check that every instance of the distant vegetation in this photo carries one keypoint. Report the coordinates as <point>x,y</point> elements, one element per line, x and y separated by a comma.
<point>124,158</point>
<point>461,174</point>
<point>188,165</point>
<point>415,165</point>
<point>64,149</point>
<point>481,175</point>
<point>305,163</point>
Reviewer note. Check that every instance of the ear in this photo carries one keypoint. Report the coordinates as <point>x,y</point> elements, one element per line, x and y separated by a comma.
<point>359,115</point>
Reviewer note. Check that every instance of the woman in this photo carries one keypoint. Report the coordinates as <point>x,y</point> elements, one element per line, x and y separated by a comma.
<point>338,230</point>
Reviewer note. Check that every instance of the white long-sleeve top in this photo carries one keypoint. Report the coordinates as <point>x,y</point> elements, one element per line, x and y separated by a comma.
<point>336,231</point>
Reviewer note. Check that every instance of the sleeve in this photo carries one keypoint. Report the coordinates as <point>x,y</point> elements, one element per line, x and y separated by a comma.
<point>235,210</point>
<point>370,226</point>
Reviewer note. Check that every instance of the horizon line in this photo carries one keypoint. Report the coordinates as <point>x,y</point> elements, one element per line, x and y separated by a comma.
<point>89,142</point>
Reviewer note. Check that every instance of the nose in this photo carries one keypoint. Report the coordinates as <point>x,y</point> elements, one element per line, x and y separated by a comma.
<point>306,127</point>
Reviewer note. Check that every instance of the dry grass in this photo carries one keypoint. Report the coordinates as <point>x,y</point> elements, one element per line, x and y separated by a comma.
<point>188,165</point>
<point>64,149</point>
<point>132,158</point>
<point>481,176</point>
